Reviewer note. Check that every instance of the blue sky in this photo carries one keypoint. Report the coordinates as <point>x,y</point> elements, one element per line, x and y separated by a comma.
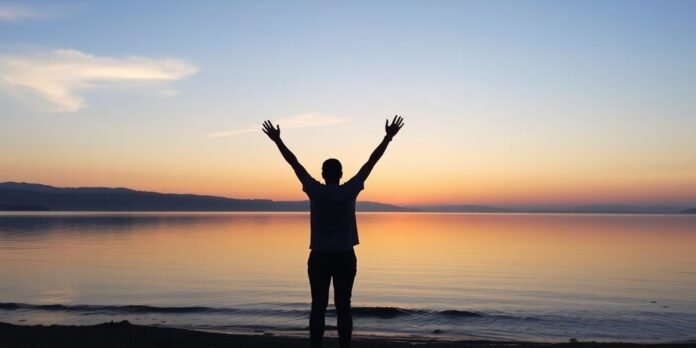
<point>577,91</point>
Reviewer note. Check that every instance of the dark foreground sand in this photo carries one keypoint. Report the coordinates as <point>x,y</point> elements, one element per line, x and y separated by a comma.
<point>123,334</point>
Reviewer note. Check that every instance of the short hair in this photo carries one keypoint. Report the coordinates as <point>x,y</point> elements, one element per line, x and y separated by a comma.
<point>332,168</point>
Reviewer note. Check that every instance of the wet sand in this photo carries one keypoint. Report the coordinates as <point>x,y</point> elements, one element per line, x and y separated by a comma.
<point>124,334</point>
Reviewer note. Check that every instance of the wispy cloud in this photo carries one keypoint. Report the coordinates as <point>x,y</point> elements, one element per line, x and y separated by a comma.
<point>12,12</point>
<point>312,119</point>
<point>58,76</point>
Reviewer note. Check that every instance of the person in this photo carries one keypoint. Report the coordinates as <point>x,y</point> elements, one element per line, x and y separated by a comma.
<point>334,232</point>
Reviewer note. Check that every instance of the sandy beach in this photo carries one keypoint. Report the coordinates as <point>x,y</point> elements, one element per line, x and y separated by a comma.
<point>124,334</point>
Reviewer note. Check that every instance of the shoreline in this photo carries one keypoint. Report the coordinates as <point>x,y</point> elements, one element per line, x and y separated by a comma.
<point>29,213</point>
<point>124,334</point>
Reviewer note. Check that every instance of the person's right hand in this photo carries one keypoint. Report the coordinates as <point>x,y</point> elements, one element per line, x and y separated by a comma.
<point>273,133</point>
<point>394,127</point>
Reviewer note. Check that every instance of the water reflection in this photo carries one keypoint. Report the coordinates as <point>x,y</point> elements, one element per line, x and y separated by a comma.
<point>576,268</point>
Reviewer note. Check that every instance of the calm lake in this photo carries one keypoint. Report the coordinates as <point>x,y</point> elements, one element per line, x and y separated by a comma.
<point>446,276</point>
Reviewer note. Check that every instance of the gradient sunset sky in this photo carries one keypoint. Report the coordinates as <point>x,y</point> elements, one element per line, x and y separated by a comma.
<point>505,102</point>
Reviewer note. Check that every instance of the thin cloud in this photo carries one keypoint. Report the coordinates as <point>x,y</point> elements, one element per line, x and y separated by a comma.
<point>58,76</point>
<point>312,119</point>
<point>12,13</point>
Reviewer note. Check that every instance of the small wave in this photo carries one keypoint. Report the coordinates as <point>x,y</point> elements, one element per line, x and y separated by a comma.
<point>393,312</point>
<point>367,312</point>
<point>9,306</point>
<point>384,312</point>
<point>453,313</point>
<point>134,309</point>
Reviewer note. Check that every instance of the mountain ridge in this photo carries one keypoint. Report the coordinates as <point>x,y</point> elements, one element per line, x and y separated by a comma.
<point>22,196</point>
<point>30,196</point>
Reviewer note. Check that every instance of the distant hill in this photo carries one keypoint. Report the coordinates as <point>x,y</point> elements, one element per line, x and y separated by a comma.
<point>19,196</point>
<point>27,196</point>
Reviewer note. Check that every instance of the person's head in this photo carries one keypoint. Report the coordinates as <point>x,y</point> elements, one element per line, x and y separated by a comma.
<point>331,171</point>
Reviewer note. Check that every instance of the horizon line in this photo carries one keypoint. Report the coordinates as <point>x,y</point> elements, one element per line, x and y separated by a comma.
<point>517,207</point>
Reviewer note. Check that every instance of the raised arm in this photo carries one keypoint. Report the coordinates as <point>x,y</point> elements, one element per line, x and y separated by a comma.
<point>391,130</point>
<point>274,134</point>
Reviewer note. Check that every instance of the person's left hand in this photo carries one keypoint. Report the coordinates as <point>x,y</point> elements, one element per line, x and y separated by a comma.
<point>273,133</point>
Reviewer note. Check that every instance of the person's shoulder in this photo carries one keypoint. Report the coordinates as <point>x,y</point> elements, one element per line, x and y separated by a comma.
<point>358,177</point>
<point>356,182</point>
<point>309,183</point>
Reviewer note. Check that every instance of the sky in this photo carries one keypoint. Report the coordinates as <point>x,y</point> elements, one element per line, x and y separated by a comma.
<point>505,102</point>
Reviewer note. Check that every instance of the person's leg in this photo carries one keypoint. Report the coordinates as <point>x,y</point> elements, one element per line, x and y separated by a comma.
<point>319,282</point>
<point>344,275</point>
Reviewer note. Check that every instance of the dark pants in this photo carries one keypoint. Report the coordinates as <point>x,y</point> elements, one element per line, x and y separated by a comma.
<point>321,266</point>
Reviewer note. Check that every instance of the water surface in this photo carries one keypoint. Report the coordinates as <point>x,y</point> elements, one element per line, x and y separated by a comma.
<point>448,276</point>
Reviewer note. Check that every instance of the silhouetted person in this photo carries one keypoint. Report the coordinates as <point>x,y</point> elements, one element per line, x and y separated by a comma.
<point>334,232</point>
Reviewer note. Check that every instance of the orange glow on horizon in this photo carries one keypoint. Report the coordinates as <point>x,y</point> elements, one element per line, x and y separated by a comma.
<point>381,189</point>
<point>262,174</point>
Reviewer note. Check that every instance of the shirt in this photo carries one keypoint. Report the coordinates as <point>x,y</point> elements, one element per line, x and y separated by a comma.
<point>332,213</point>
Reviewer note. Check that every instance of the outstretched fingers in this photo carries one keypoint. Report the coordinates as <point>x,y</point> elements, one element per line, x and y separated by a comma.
<point>272,132</point>
<point>393,128</point>
<point>397,121</point>
<point>267,124</point>
<point>400,122</point>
